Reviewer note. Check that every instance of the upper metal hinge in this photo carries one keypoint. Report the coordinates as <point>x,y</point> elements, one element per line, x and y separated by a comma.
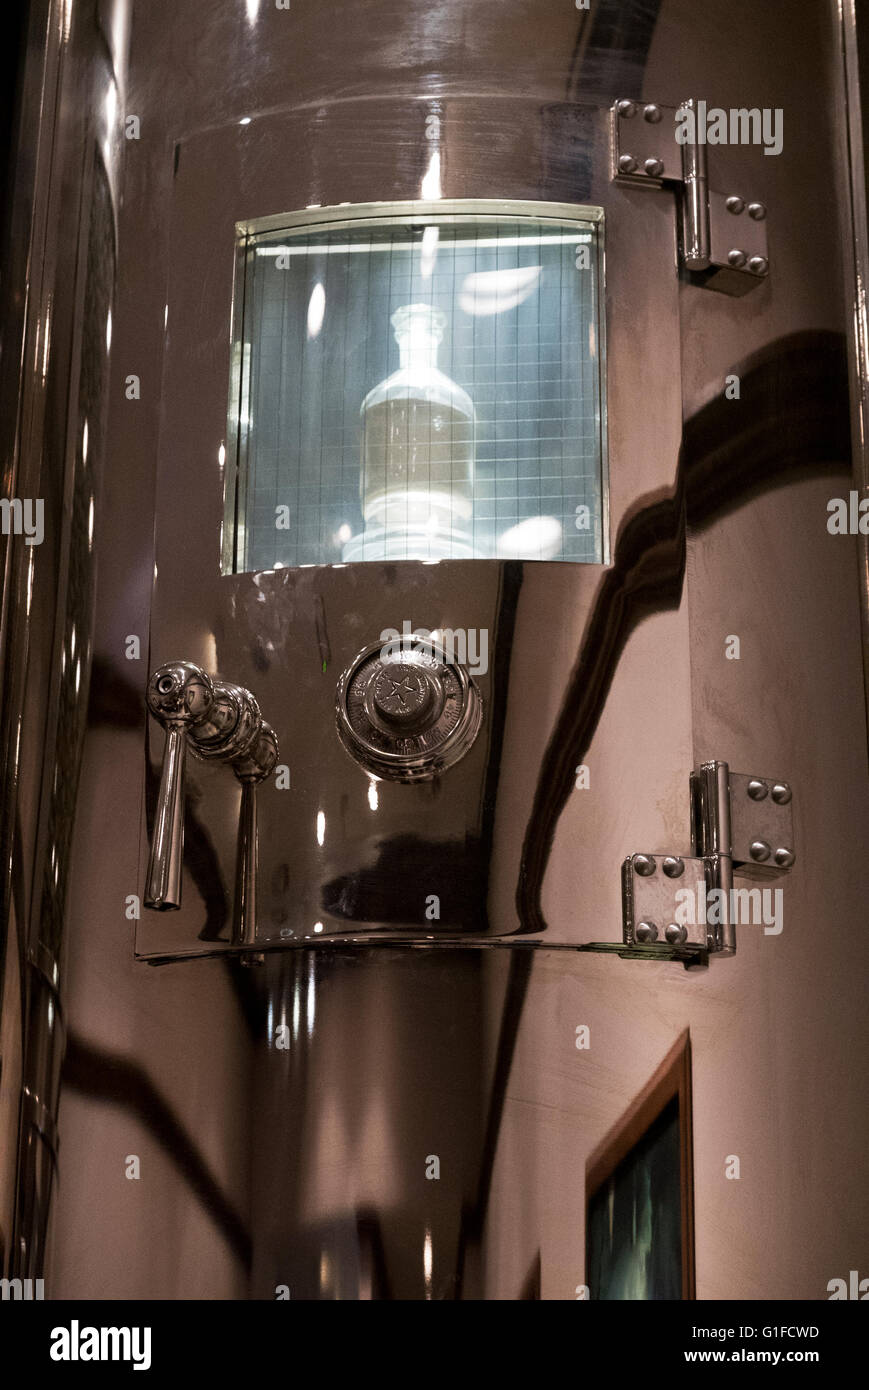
<point>723,235</point>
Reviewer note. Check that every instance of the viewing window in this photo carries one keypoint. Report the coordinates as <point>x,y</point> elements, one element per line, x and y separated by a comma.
<point>417,387</point>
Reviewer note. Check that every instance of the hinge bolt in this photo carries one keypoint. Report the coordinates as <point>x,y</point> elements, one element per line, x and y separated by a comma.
<point>781,793</point>
<point>644,865</point>
<point>760,851</point>
<point>736,258</point>
<point>759,265</point>
<point>654,167</point>
<point>784,858</point>
<point>626,109</point>
<point>757,790</point>
<point>673,866</point>
<point>735,205</point>
<point>646,931</point>
<point>627,164</point>
<point>675,934</point>
<point>651,113</point>
<point>757,211</point>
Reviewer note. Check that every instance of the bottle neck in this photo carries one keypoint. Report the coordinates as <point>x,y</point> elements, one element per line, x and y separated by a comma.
<point>417,348</point>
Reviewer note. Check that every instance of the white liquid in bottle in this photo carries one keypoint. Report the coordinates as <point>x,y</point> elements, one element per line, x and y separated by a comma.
<point>417,453</point>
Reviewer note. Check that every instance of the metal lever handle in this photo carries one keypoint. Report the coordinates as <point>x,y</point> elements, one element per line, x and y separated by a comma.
<point>250,769</point>
<point>179,696</point>
<point>222,723</point>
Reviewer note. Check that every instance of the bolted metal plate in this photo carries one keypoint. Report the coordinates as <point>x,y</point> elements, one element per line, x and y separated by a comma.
<point>761,824</point>
<point>644,147</point>
<point>652,911</point>
<point>738,244</point>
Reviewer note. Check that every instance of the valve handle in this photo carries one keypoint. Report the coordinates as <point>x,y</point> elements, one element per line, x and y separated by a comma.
<point>250,768</point>
<point>180,695</point>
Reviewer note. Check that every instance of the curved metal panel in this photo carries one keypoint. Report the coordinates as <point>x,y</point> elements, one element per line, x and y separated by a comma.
<point>328,854</point>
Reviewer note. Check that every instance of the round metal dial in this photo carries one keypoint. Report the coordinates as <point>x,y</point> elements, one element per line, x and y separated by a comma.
<point>407,716</point>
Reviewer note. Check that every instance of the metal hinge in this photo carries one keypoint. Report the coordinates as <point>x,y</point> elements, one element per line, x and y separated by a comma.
<point>685,906</point>
<point>723,235</point>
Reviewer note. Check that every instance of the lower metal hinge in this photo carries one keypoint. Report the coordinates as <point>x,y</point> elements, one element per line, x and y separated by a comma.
<point>684,907</point>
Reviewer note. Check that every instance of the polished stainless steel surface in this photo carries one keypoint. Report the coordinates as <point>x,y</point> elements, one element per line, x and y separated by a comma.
<point>59,259</point>
<point>287,1118</point>
<point>852,151</point>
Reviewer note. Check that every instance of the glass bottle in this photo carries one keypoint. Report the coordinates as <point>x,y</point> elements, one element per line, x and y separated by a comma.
<point>417,464</point>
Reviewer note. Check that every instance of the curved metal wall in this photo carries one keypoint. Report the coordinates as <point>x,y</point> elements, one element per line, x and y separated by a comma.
<point>60,260</point>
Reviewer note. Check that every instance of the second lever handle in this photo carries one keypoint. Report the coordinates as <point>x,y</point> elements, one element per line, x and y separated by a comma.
<point>250,769</point>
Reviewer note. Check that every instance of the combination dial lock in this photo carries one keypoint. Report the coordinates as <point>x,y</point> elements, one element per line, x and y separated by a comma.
<point>408,715</point>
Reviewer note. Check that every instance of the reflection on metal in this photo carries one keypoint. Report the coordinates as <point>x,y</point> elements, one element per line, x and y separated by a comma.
<point>55,309</point>
<point>730,256</point>
<point>737,822</point>
<point>639,1185</point>
<point>852,44</point>
<point>221,723</point>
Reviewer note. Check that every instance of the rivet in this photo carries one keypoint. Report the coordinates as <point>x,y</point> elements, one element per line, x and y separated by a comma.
<point>651,113</point>
<point>627,164</point>
<point>757,211</point>
<point>760,851</point>
<point>736,258</point>
<point>781,793</point>
<point>646,931</point>
<point>757,790</point>
<point>759,265</point>
<point>675,934</point>
<point>674,867</point>
<point>735,205</point>
<point>626,109</point>
<point>654,167</point>
<point>784,857</point>
<point>644,865</point>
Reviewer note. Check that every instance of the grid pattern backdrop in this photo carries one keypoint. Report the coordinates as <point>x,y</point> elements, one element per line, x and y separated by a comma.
<point>522,336</point>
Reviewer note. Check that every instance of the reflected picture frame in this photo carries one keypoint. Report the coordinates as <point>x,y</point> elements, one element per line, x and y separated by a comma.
<point>639,1192</point>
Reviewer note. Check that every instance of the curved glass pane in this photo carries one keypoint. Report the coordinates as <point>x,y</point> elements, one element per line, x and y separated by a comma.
<point>419,390</point>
